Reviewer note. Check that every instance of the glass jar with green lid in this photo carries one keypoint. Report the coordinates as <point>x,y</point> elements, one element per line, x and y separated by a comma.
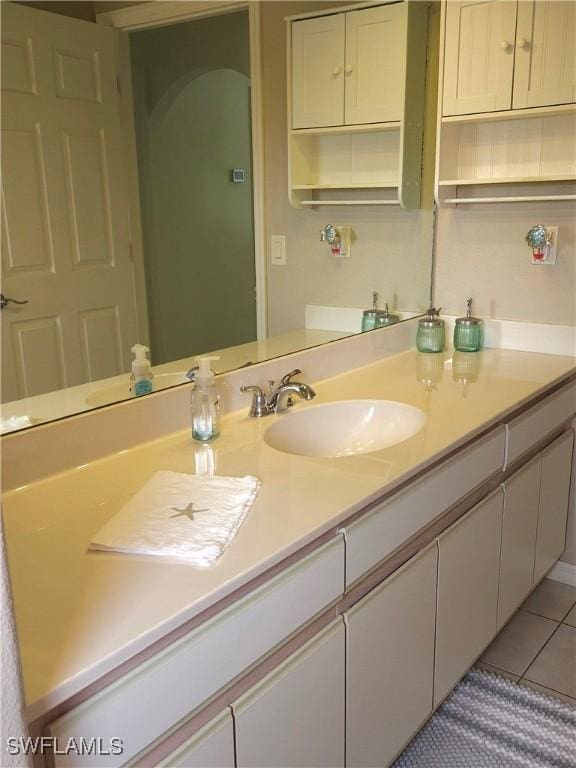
<point>468,332</point>
<point>431,334</point>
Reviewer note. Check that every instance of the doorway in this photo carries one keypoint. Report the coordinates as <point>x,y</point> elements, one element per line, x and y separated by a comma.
<point>192,114</point>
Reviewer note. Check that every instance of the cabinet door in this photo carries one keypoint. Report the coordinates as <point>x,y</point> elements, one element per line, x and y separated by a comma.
<point>518,539</point>
<point>468,573</point>
<point>211,747</point>
<point>554,494</point>
<point>375,64</point>
<point>295,717</point>
<point>545,66</point>
<point>478,56</point>
<point>391,662</point>
<point>318,72</point>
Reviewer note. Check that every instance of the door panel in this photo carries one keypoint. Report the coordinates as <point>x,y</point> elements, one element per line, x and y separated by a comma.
<point>545,68</point>
<point>65,241</point>
<point>295,717</point>
<point>375,64</point>
<point>318,72</point>
<point>553,512</point>
<point>479,56</point>
<point>391,662</point>
<point>518,539</point>
<point>468,575</point>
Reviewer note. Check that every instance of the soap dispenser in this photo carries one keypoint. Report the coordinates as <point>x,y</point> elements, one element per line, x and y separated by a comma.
<point>386,317</point>
<point>205,402</point>
<point>369,315</point>
<point>468,331</point>
<point>141,380</point>
<point>431,333</point>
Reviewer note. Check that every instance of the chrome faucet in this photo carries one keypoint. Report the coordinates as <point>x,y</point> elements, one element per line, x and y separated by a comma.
<point>279,398</point>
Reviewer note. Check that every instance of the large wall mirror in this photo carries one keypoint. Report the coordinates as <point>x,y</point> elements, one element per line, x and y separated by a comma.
<point>145,200</point>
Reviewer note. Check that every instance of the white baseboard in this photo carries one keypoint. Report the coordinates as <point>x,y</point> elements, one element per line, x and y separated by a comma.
<point>564,572</point>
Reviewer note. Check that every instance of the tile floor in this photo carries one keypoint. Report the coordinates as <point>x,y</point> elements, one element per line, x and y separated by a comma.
<point>537,648</point>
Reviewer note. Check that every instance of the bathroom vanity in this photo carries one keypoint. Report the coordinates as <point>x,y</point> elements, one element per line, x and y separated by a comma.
<point>358,592</point>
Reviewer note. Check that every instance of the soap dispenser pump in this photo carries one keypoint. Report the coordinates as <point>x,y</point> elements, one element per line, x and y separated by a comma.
<point>141,380</point>
<point>205,402</point>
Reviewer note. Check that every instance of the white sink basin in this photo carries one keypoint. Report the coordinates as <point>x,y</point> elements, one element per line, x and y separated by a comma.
<point>345,428</point>
<point>122,391</point>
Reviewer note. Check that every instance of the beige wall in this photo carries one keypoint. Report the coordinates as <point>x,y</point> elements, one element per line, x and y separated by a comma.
<point>481,252</point>
<point>391,248</point>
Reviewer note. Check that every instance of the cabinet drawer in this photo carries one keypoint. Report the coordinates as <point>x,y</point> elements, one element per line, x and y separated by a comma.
<point>142,705</point>
<point>539,421</point>
<point>375,536</point>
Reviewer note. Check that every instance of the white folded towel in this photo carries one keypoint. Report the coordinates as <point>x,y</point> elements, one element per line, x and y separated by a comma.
<point>190,517</point>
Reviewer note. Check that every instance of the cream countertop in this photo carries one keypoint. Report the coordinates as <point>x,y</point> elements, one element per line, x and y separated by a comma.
<point>80,614</point>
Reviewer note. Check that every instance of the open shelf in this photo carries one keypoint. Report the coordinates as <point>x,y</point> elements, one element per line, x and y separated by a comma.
<point>511,180</point>
<point>511,114</point>
<point>530,157</point>
<point>311,203</point>
<point>369,185</point>
<point>336,129</point>
<point>511,199</point>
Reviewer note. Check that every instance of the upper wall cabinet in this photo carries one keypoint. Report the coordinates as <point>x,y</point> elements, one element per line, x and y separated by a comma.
<point>356,105</point>
<point>508,92</point>
<point>501,54</point>
<point>344,68</point>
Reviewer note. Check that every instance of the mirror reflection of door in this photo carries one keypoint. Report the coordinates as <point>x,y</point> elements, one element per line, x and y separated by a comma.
<point>65,240</point>
<point>191,91</point>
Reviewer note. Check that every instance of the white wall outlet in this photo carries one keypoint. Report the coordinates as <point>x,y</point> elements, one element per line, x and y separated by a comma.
<point>278,250</point>
<point>549,253</point>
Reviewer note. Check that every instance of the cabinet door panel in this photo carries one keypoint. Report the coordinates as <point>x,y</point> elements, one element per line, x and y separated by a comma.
<point>468,574</point>
<point>391,662</point>
<point>211,747</point>
<point>554,493</point>
<point>375,64</point>
<point>479,56</point>
<point>518,539</point>
<point>545,67</point>
<point>295,717</point>
<point>318,72</point>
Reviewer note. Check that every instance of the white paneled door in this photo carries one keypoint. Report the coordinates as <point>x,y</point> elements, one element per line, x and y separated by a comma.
<point>65,237</point>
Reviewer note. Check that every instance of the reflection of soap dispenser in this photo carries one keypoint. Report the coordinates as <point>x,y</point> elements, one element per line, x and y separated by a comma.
<point>141,380</point>
<point>205,402</point>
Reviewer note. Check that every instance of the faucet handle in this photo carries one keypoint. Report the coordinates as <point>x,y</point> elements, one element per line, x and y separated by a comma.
<point>259,406</point>
<point>286,379</point>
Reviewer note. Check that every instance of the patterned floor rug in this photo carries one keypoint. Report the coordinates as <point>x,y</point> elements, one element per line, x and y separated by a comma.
<point>491,722</point>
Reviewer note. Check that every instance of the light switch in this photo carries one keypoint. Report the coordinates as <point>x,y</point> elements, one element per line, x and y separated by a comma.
<point>278,250</point>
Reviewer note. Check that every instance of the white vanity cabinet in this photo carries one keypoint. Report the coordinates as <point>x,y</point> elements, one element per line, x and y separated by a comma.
<point>518,538</point>
<point>502,55</point>
<point>210,747</point>
<point>390,662</point>
<point>468,576</point>
<point>296,716</point>
<point>553,503</point>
